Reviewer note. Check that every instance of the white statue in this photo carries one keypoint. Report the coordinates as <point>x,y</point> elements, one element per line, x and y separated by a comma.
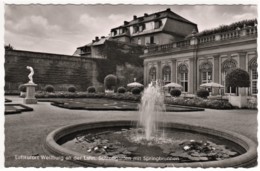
<point>30,76</point>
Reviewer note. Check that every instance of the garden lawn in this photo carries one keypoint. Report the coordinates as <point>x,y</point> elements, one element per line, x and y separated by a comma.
<point>25,133</point>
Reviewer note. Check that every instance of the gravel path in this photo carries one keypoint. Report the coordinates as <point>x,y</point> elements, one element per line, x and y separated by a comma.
<point>26,132</point>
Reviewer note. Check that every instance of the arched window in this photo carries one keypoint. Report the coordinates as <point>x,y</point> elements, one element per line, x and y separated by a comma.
<point>206,72</point>
<point>166,72</point>
<point>227,66</point>
<point>152,74</point>
<point>183,75</point>
<point>253,75</point>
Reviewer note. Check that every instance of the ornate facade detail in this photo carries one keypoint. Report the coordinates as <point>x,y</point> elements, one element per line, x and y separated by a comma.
<point>206,66</point>
<point>253,63</point>
<point>182,68</point>
<point>229,64</point>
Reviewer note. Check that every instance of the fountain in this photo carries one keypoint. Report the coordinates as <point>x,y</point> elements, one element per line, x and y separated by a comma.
<point>151,109</point>
<point>151,143</point>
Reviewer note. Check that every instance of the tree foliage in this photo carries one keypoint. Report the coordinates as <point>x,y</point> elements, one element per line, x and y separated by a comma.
<point>238,78</point>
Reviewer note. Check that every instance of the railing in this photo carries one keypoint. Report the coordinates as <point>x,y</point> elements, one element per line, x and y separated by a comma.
<point>206,39</point>
<point>234,34</point>
<point>230,35</point>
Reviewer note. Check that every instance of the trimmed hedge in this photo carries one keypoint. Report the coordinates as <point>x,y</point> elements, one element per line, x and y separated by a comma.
<point>200,102</point>
<point>238,78</point>
<point>22,88</point>
<point>116,96</point>
<point>121,90</point>
<point>110,82</point>
<point>91,89</point>
<point>49,88</point>
<point>175,92</point>
<point>72,89</point>
<point>203,93</point>
<point>136,91</point>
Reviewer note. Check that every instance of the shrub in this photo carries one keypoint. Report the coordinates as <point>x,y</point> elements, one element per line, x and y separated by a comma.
<point>121,90</point>
<point>203,93</point>
<point>72,89</point>
<point>175,92</point>
<point>110,82</point>
<point>91,89</point>
<point>238,78</point>
<point>49,88</point>
<point>136,91</point>
<point>22,88</point>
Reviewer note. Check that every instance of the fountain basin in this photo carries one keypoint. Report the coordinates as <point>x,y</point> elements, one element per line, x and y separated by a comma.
<point>246,159</point>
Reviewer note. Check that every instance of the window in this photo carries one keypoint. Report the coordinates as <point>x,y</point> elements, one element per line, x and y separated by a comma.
<point>166,72</point>
<point>151,40</point>
<point>157,24</point>
<point>183,74</point>
<point>152,74</point>
<point>139,41</point>
<point>253,75</point>
<point>227,66</point>
<point>135,29</point>
<point>141,27</point>
<point>206,72</point>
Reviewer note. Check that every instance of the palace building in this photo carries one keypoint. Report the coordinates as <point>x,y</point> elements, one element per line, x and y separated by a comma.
<point>176,52</point>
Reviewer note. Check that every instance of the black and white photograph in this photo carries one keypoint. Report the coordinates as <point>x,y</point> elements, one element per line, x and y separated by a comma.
<point>130,85</point>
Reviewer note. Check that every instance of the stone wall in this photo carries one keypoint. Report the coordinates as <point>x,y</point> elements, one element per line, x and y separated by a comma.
<point>61,71</point>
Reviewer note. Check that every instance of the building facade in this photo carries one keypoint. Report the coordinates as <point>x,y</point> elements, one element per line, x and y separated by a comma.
<point>201,59</point>
<point>153,29</point>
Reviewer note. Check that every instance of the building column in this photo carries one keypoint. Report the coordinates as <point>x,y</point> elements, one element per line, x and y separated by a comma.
<point>159,72</point>
<point>145,73</point>
<point>242,65</point>
<point>191,84</point>
<point>173,71</point>
<point>242,60</point>
<point>216,70</point>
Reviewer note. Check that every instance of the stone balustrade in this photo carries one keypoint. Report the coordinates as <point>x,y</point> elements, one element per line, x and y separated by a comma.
<point>196,40</point>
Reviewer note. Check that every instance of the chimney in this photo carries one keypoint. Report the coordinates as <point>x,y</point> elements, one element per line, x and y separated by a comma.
<point>134,17</point>
<point>93,41</point>
<point>97,39</point>
<point>102,37</point>
<point>126,22</point>
<point>145,14</point>
<point>168,9</point>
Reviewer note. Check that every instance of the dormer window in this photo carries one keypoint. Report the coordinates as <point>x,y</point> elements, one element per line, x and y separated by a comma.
<point>141,27</point>
<point>157,24</point>
<point>114,32</point>
<point>135,29</point>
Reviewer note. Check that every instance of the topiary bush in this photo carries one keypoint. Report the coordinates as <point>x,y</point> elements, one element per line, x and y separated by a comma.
<point>91,89</point>
<point>121,90</point>
<point>238,78</point>
<point>110,82</point>
<point>22,88</point>
<point>175,92</point>
<point>72,89</point>
<point>203,93</point>
<point>136,91</point>
<point>49,88</point>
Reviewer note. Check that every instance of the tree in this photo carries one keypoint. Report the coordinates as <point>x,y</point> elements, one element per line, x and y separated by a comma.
<point>238,78</point>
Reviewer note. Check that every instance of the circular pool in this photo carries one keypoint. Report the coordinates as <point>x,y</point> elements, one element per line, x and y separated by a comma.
<point>116,144</point>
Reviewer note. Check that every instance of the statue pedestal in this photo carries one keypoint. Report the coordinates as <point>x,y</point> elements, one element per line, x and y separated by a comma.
<point>30,93</point>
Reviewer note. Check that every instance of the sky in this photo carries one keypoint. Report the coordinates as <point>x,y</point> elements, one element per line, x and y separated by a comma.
<point>62,28</point>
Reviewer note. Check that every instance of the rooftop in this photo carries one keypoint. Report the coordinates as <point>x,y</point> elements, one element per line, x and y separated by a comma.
<point>154,16</point>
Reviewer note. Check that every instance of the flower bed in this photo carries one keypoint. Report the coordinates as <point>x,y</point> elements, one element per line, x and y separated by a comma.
<point>199,102</point>
<point>118,96</point>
